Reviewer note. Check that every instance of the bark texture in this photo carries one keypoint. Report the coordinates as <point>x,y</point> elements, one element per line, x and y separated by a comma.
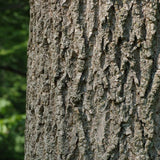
<point>93,80</point>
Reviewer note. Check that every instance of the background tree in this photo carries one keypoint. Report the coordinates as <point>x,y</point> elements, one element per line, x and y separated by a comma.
<point>13,41</point>
<point>93,80</point>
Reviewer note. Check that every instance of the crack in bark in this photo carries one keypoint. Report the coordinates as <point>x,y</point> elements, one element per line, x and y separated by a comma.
<point>124,78</point>
<point>128,25</point>
<point>118,53</point>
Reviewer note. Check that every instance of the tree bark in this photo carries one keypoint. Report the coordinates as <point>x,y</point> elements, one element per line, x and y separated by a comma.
<point>93,86</point>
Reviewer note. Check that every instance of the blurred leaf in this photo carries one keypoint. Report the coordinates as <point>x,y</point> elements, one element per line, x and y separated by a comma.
<point>3,128</point>
<point>6,107</point>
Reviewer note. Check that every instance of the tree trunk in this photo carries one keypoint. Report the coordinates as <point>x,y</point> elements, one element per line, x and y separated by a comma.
<point>93,88</point>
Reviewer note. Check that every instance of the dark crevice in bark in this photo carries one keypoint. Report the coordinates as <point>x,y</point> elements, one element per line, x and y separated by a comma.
<point>58,72</point>
<point>156,52</point>
<point>81,9</point>
<point>143,30</point>
<point>65,140</point>
<point>140,8</point>
<point>89,47</point>
<point>134,44</point>
<point>88,147</point>
<point>88,59</point>
<point>64,90</point>
<point>137,67</point>
<point>59,34</point>
<point>75,153</point>
<point>115,152</point>
<point>46,34</point>
<point>122,129</point>
<point>83,80</point>
<point>127,25</point>
<point>122,135</point>
<point>156,112</point>
<point>48,127</point>
<point>103,55</point>
<point>112,18</point>
<point>132,120</point>
<point>104,97</point>
<point>40,28</point>
<point>58,42</point>
<point>64,51</point>
<point>124,78</point>
<point>133,91</point>
<point>143,136</point>
<point>110,36</point>
<point>104,23</point>
<point>118,53</point>
<point>54,130</point>
<point>142,125</point>
<point>106,48</point>
<point>41,110</point>
<point>38,137</point>
<point>92,38</point>
<point>58,68</point>
<point>107,126</point>
<point>156,100</point>
<point>32,112</point>
<point>152,74</point>
<point>107,74</point>
<point>120,3</point>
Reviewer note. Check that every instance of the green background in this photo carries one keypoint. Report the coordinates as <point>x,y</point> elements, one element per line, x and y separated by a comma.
<point>14,20</point>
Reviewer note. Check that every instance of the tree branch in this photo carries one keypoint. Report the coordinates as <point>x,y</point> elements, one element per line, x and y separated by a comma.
<point>13,6</point>
<point>10,69</point>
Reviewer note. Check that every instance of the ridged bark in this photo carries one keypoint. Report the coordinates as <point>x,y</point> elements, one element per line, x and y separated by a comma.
<point>93,88</point>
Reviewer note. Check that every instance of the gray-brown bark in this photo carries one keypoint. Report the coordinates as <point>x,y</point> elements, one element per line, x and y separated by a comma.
<point>93,80</point>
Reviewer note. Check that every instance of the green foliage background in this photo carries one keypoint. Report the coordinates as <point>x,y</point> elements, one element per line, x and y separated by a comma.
<point>14,20</point>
